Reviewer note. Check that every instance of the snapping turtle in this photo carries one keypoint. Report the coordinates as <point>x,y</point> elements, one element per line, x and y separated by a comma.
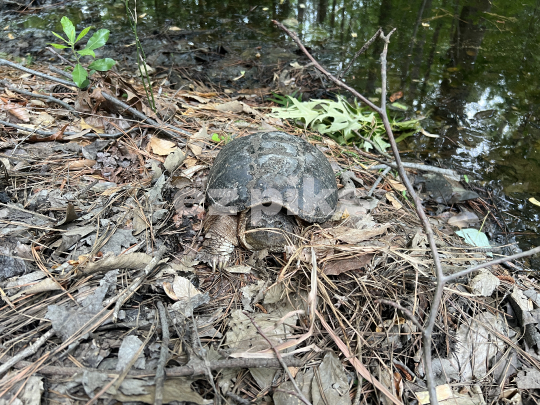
<point>259,188</point>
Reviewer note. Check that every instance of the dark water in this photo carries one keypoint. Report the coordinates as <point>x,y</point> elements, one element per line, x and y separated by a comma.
<point>470,67</point>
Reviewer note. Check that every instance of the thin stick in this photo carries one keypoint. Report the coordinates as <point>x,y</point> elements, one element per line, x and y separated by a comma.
<point>37,95</point>
<point>32,349</point>
<point>147,119</point>
<point>48,133</point>
<point>160,371</point>
<point>280,359</point>
<point>405,311</point>
<point>323,71</point>
<point>183,371</point>
<point>4,62</point>
<point>360,52</point>
<point>138,282</point>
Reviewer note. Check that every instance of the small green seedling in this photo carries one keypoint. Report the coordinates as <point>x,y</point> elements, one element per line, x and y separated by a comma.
<point>217,139</point>
<point>466,178</point>
<point>100,37</point>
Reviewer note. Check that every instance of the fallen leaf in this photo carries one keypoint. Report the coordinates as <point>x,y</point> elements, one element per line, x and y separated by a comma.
<point>398,186</point>
<point>337,267</point>
<point>534,201</point>
<point>81,164</point>
<point>18,112</point>
<point>183,288</point>
<point>443,392</point>
<point>86,125</point>
<point>57,136</point>
<point>394,201</point>
<point>352,236</point>
<point>161,146</point>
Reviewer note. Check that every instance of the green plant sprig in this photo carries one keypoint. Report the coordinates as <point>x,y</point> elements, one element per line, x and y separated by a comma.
<point>340,119</point>
<point>80,74</point>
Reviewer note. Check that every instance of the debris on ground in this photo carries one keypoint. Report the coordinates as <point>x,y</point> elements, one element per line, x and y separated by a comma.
<point>102,220</point>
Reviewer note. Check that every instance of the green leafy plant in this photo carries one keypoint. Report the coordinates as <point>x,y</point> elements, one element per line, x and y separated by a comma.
<point>285,101</point>
<point>80,74</point>
<point>339,120</point>
<point>217,139</point>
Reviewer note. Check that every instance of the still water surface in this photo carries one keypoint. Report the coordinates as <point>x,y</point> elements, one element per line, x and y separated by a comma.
<point>471,67</point>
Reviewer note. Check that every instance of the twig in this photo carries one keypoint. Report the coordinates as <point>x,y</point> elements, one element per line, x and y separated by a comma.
<point>360,52</point>
<point>323,71</point>
<point>404,310</point>
<point>462,273</point>
<point>35,214</point>
<point>137,283</point>
<point>160,371</point>
<point>440,278</point>
<point>37,95</point>
<point>374,186</point>
<point>278,356</point>
<point>205,362</point>
<point>362,370</point>
<point>32,349</point>
<point>60,72</point>
<point>60,56</point>
<point>148,119</point>
<point>238,399</point>
<point>48,133</point>
<point>418,166</point>
<point>183,371</point>
<point>4,62</point>
<point>107,97</point>
<point>377,148</point>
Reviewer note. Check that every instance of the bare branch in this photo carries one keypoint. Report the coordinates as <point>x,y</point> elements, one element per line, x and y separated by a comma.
<point>324,71</point>
<point>462,273</point>
<point>278,355</point>
<point>360,52</point>
<point>160,370</point>
<point>404,310</point>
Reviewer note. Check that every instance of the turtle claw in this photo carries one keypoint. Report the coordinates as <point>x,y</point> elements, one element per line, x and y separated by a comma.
<point>215,260</point>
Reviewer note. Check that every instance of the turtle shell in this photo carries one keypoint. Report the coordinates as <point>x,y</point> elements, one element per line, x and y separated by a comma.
<point>272,170</point>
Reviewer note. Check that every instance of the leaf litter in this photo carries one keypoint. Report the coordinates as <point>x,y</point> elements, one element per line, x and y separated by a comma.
<point>85,208</point>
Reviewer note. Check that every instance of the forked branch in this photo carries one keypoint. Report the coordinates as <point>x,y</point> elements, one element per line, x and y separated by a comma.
<point>427,330</point>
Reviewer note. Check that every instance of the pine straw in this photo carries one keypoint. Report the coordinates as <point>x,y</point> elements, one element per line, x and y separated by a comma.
<point>377,334</point>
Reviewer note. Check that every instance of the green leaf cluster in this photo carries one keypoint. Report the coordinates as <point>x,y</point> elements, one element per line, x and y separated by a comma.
<point>339,119</point>
<point>80,73</point>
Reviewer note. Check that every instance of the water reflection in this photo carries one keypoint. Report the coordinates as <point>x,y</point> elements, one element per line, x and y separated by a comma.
<point>470,66</point>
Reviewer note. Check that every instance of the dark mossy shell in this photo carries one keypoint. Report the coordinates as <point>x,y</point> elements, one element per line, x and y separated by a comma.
<point>276,168</point>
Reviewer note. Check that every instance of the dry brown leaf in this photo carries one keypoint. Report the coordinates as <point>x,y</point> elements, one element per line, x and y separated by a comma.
<point>81,164</point>
<point>95,124</point>
<point>230,107</point>
<point>398,186</point>
<point>161,147</point>
<point>20,113</point>
<point>168,288</point>
<point>57,136</point>
<point>444,392</point>
<point>43,119</point>
<point>352,236</point>
<point>196,143</point>
<point>394,201</point>
<point>190,161</point>
<point>337,267</point>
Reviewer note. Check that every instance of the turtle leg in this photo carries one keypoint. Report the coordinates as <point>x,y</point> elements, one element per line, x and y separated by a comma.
<point>219,241</point>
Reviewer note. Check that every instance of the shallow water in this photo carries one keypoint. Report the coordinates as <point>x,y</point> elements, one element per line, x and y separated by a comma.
<point>470,67</point>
